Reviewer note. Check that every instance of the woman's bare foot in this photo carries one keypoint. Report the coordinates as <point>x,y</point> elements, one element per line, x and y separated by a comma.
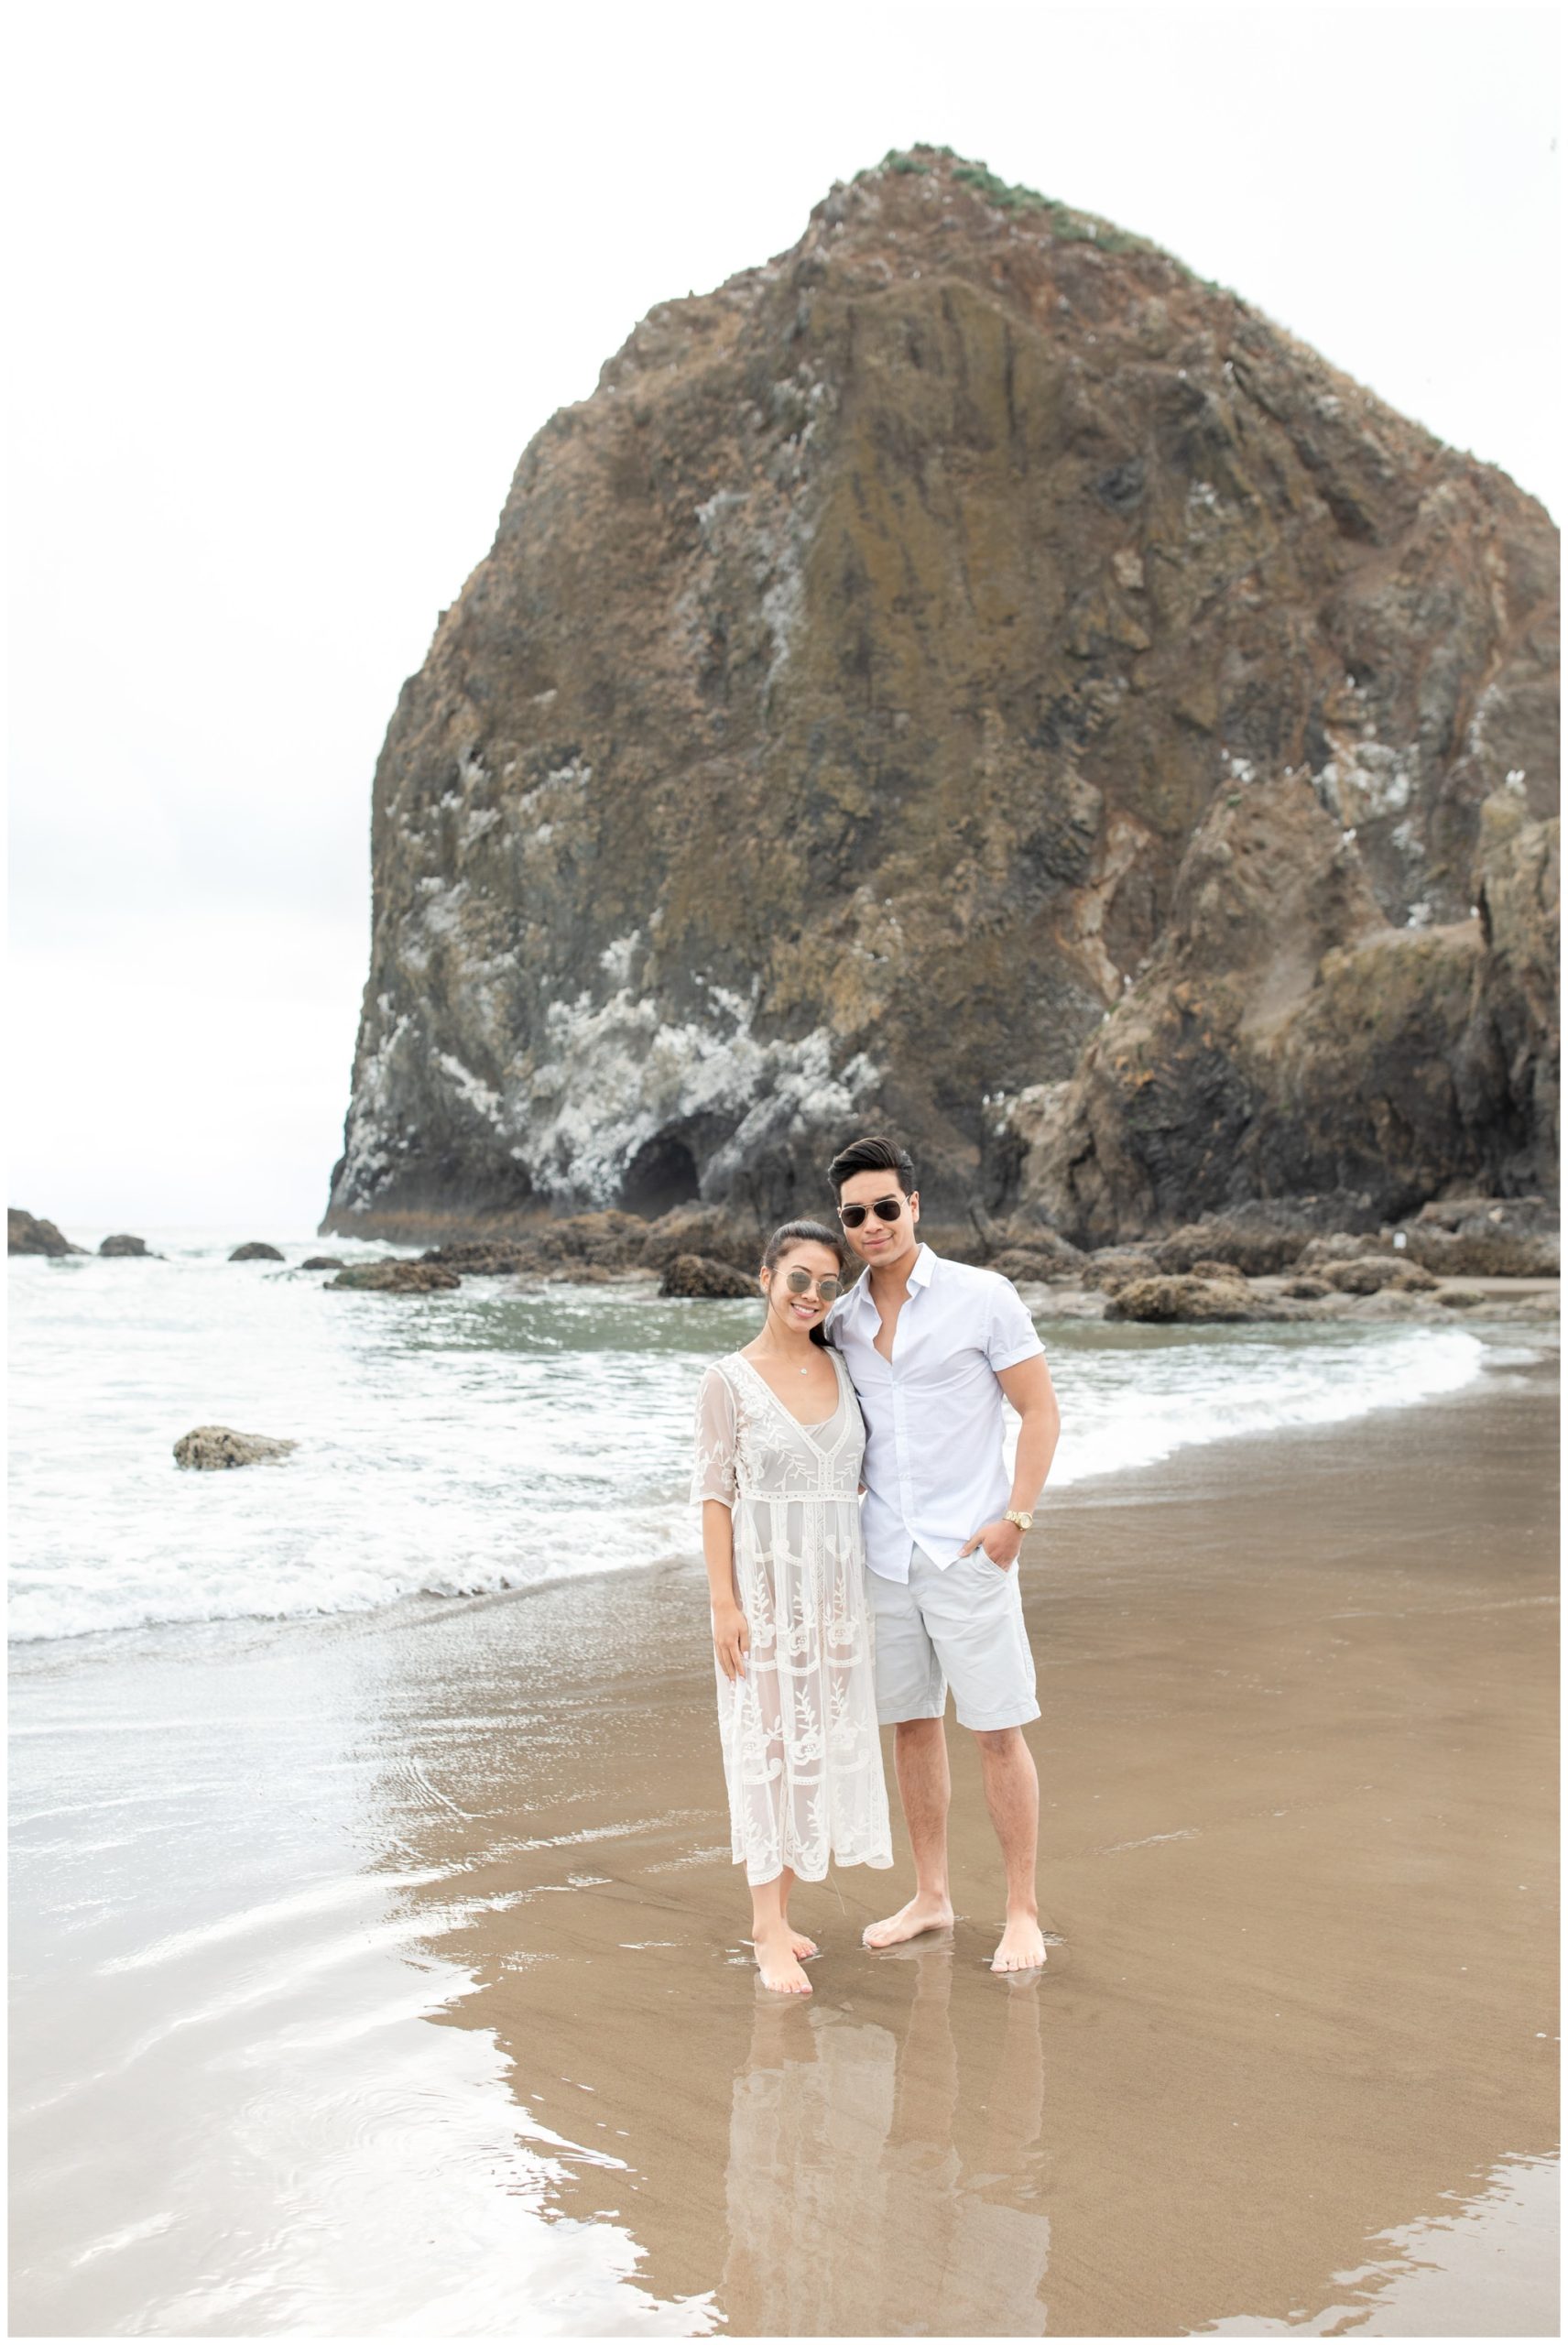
<point>777,1961</point>
<point>800,1944</point>
<point>1022,1946</point>
<point>920,1914</point>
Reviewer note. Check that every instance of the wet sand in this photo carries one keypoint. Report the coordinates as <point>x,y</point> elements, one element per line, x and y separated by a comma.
<point>390,1973</point>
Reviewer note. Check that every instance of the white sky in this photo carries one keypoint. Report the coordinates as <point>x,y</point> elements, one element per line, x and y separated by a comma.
<point>298,285</point>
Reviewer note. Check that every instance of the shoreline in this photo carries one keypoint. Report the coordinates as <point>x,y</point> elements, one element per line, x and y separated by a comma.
<point>1298,1708</point>
<point>1490,1328</point>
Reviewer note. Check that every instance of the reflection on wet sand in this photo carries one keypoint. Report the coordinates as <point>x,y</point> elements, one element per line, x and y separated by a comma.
<point>874,2187</point>
<point>450,2027</point>
<point>1298,1838</point>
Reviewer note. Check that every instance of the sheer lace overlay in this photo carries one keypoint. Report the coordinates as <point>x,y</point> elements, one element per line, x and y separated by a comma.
<point>801,1757</point>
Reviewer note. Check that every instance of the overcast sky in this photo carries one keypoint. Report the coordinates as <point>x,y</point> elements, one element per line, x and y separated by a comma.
<point>299,283</point>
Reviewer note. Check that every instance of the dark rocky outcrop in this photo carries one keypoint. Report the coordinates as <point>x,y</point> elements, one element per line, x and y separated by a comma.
<point>26,1234</point>
<point>717,1236</point>
<point>126,1248</point>
<point>216,1448</point>
<point>323,1262</point>
<point>1496,1237</point>
<point>1110,1267</point>
<point>694,1274</point>
<point>609,1241</point>
<point>1265,1236</point>
<point>1041,1257</point>
<point>1287,1034</point>
<point>256,1249</point>
<point>970,676</point>
<point>395,1278</point>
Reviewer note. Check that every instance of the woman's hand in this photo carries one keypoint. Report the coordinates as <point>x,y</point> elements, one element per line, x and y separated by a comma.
<point>731,1639</point>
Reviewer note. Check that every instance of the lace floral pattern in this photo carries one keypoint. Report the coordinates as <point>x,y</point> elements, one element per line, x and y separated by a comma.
<point>802,1763</point>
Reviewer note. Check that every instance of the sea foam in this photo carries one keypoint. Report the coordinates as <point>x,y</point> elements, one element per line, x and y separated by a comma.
<point>492,1438</point>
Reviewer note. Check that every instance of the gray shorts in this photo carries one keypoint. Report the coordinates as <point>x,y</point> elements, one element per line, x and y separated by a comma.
<point>962,1627</point>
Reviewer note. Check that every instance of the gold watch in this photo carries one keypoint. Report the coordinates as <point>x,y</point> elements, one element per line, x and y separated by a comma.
<point>1024,1521</point>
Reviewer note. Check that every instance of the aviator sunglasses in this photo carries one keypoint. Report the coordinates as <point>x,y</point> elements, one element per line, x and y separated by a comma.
<point>885,1208</point>
<point>802,1282</point>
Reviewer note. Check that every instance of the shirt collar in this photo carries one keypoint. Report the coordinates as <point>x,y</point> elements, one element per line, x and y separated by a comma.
<point>920,1271</point>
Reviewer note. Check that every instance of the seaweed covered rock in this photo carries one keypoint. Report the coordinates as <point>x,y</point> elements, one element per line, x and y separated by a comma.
<point>1371,1273</point>
<point>693,1274</point>
<point>717,1235</point>
<point>1196,1298</point>
<point>395,1278</point>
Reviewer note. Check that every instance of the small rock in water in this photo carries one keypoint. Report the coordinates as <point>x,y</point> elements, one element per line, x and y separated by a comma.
<point>213,1448</point>
<point>132,1249</point>
<point>694,1274</point>
<point>26,1233</point>
<point>256,1249</point>
<point>395,1278</point>
<point>323,1262</point>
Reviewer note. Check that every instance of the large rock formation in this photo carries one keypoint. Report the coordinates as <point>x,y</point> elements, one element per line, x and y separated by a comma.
<point>963,627</point>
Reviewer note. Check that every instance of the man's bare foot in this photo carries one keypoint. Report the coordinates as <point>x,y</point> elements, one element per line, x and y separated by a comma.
<point>800,1944</point>
<point>920,1914</point>
<point>777,1961</point>
<point>1022,1946</point>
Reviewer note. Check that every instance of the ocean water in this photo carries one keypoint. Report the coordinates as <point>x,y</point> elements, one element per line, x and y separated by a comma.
<point>492,1438</point>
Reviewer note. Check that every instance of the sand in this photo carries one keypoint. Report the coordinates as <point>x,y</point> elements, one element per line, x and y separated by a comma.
<point>1292,2062</point>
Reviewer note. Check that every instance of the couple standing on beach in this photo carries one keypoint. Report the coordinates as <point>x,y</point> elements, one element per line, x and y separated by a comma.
<point>829,1618</point>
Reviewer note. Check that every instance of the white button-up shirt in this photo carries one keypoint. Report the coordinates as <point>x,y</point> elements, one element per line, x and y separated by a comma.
<point>934,1468</point>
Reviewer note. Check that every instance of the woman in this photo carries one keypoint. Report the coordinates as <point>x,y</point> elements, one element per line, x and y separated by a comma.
<point>779,1440</point>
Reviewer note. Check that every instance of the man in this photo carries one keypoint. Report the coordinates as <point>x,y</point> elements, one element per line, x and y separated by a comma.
<point>934,1346</point>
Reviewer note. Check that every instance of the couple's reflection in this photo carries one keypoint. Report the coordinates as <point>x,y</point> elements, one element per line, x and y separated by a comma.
<point>879,2181</point>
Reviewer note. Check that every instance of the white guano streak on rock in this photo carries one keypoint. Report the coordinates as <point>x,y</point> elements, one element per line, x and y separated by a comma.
<point>475,1094</point>
<point>619,1074</point>
<point>367,1153</point>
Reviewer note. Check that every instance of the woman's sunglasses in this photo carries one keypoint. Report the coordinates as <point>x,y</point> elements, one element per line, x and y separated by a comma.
<point>802,1282</point>
<point>885,1208</point>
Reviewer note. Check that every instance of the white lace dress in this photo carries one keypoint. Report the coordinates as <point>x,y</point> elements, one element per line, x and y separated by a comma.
<point>801,1757</point>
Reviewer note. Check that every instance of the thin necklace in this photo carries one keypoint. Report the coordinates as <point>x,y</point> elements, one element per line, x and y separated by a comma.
<point>805,1371</point>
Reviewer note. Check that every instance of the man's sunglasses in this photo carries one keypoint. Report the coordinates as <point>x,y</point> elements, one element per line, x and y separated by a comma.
<point>802,1282</point>
<point>885,1208</point>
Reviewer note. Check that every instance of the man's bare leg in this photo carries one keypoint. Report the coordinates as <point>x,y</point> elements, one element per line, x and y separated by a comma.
<point>920,1758</point>
<point>1012,1795</point>
<point>800,1944</point>
<point>771,1937</point>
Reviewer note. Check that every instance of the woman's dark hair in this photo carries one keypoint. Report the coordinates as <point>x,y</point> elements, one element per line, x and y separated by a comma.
<point>790,1234</point>
<point>873,1155</point>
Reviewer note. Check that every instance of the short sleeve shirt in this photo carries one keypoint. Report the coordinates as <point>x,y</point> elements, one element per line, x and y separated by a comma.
<point>934,1470</point>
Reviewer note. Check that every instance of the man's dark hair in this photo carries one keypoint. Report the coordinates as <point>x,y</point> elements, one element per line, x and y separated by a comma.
<point>872,1155</point>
